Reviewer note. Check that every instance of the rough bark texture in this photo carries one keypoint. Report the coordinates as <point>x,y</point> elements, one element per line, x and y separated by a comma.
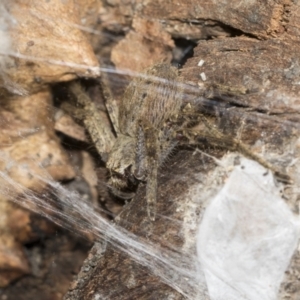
<point>260,74</point>
<point>45,47</point>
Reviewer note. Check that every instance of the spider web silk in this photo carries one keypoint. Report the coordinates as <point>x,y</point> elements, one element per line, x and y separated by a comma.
<point>245,240</point>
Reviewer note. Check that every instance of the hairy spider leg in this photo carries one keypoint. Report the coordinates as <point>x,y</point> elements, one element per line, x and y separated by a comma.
<point>215,136</point>
<point>148,164</point>
<point>99,131</point>
<point>110,102</point>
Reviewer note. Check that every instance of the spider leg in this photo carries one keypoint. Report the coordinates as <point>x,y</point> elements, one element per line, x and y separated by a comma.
<point>94,121</point>
<point>147,163</point>
<point>215,136</point>
<point>140,171</point>
<point>110,102</point>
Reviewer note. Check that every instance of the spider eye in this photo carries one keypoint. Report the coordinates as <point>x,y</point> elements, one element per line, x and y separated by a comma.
<point>179,136</point>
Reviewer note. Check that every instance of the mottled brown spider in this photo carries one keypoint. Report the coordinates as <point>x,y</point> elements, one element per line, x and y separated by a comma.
<point>147,128</point>
<point>152,115</point>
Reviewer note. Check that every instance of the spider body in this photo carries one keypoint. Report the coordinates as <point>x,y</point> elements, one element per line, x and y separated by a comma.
<point>146,134</point>
<point>151,116</point>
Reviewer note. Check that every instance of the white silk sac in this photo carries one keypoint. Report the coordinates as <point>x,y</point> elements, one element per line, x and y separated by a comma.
<point>247,237</point>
